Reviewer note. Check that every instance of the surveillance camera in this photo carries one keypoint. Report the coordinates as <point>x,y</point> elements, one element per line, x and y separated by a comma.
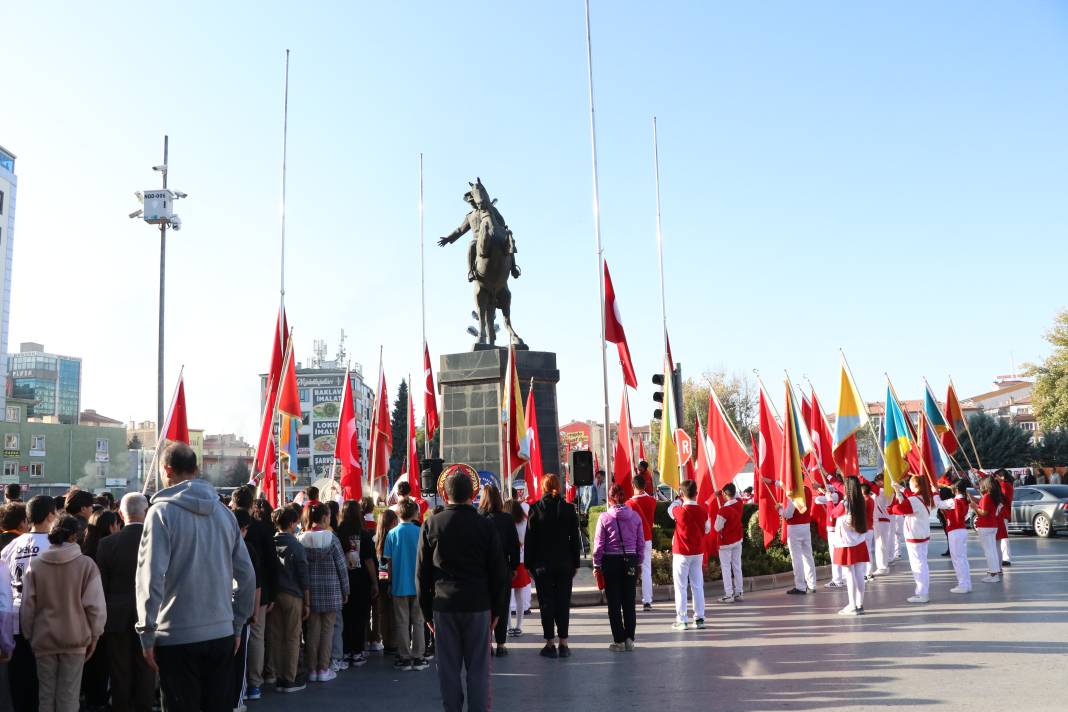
<point>180,194</point>
<point>176,222</point>
<point>136,214</point>
<point>161,169</point>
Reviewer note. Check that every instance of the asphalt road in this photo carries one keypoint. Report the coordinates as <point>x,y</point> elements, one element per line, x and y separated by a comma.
<point>1004,647</point>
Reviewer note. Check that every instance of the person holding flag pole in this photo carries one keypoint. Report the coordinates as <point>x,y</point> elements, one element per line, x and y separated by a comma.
<point>175,429</point>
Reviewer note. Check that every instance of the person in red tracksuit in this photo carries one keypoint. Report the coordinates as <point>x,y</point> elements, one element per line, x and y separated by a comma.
<point>645,505</point>
<point>1004,478</point>
<point>688,553</point>
<point>729,525</point>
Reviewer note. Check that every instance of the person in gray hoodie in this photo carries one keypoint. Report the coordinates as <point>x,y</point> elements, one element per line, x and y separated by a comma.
<point>189,612</point>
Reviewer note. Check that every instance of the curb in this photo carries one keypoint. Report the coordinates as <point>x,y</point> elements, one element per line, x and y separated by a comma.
<point>588,596</point>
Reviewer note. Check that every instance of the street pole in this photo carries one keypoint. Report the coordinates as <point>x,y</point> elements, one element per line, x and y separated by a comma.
<point>162,273</point>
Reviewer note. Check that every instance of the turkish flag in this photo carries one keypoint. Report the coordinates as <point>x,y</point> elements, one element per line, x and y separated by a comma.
<point>702,469</point>
<point>532,470</point>
<point>767,449</point>
<point>288,393</point>
<point>413,452</point>
<point>623,454</point>
<point>381,431</point>
<point>613,330</point>
<point>430,396</point>
<point>177,426</point>
<point>347,446</point>
<point>822,441</point>
<point>269,485</point>
<point>724,450</point>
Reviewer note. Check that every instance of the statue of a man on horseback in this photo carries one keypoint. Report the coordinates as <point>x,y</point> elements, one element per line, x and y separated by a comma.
<point>490,260</point>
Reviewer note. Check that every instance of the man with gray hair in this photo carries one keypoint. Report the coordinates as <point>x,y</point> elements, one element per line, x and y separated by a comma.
<point>189,615</point>
<point>132,681</point>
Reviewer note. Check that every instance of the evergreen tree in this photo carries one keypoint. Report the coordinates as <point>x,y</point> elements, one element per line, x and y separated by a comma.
<point>998,442</point>
<point>1053,452</point>
<point>134,444</point>
<point>399,425</point>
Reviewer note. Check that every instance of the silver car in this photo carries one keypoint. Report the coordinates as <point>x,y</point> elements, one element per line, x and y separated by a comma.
<point>1042,509</point>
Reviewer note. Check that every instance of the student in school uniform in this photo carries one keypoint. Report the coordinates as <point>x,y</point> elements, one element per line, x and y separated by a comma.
<point>955,510</point>
<point>829,496</point>
<point>869,533</point>
<point>914,505</point>
<point>799,542</point>
<point>1004,478</point>
<point>884,531</point>
<point>987,518</point>
<point>850,518</point>
<point>645,505</point>
<point>687,554</point>
<point>729,526</point>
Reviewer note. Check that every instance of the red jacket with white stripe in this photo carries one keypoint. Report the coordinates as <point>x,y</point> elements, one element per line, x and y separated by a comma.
<point>691,525</point>
<point>729,523</point>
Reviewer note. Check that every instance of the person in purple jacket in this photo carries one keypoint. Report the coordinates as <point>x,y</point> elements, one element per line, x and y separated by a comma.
<point>618,548</point>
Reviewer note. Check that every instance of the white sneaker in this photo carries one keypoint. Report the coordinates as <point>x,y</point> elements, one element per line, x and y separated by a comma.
<point>680,625</point>
<point>991,578</point>
<point>313,676</point>
<point>848,611</point>
<point>918,599</point>
<point>834,584</point>
<point>726,599</point>
<point>617,647</point>
<point>327,675</point>
<point>960,589</point>
<point>881,572</point>
<point>339,665</point>
<point>376,647</point>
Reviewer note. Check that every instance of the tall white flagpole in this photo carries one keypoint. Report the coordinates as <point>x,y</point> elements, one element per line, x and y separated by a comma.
<point>600,251</point>
<point>659,234</point>
<point>282,277</point>
<point>422,297</point>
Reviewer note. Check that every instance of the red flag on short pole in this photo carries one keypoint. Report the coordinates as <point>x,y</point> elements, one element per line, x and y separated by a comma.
<point>613,330</point>
<point>622,454</point>
<point>532,470</point>
<point>177,425</point>
<point>725,452</point>
<point>413,452</point>
<point>767,448</point>
<point>381,433</point>
<point>430,396</point>
<point>347,445</point>
<point>288,393</point>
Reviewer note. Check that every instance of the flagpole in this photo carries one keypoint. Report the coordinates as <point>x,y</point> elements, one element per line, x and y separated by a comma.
<point>409,416</point>
<point>285,141</point>
<point>969,430</point>
<point>597,235</point>
<point>277,398</point>
<point>375,426</point>
<point>871,428</point>
<point>659,233</point>
<point>771,402</point>
<point>422,297</point>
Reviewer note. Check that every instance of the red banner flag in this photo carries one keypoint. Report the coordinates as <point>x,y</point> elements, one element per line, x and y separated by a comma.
<point>288,393</point>
<point>177,424</point>
<point>822,440</point>
<point>430,396</point>
<point>533,470</point>
<point>347,446</point>
<point>381,432</point>
<point>623,453</point>
<point>725,452</point>
<point>702,469</point>
<point>955,420</point>
<point>613,330</point>
<point>413,452</point>
<point>767,453</point>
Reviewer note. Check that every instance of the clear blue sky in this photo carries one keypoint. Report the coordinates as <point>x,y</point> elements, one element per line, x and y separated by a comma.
<point>888,179</point>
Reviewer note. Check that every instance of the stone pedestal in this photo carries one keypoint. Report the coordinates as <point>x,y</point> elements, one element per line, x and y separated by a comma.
<point>472,388</point>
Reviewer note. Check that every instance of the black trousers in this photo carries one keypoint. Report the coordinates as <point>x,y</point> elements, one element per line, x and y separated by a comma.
<point>356,613</point>
<point>197,677</point>
<point>237,673</point>
<point>133,684</point>
<point>500,631</point>
<point>22,676</point>
<point>619,590</point>
<point>554,600</point>
<point>95,676</point>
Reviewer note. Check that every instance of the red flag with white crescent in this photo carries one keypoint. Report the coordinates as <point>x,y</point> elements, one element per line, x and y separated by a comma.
<point>430,396</point>
<point>347,445</point>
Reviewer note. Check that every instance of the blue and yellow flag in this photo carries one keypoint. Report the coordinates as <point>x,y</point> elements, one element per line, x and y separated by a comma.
<point>288,437</point>
<point>897,441</point>
<point>791,467</point>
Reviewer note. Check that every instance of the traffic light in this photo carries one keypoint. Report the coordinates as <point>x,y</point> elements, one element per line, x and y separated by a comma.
<point>658,396</point>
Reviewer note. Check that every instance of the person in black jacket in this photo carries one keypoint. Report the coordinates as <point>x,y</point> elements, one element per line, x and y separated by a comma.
<point>491,507</point>
<point>260,538</point>
<point>133,683</point>
<point>552,556</point>
<point>460,571</point>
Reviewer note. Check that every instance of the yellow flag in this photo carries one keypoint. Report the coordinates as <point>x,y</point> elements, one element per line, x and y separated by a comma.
<point>668,460</point>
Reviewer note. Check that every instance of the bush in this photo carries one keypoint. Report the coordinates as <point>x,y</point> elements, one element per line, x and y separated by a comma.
<point>661,518</point>
<point>662,538</point>
<point>591,525</point>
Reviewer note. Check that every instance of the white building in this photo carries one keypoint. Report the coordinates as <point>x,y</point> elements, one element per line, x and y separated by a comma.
<point>8,189</point>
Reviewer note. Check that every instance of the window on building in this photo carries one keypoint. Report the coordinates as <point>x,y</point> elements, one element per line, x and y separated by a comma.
<point>11,469</point>
<point>11,441</point>
<point>1,202</point>
<point>36,470</point>
<point>12,415</point>
<point>37,442</point>
<point>101,445</point>
<point>102,469</point>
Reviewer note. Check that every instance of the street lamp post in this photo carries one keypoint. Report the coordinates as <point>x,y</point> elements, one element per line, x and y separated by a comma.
<point>158,209</point>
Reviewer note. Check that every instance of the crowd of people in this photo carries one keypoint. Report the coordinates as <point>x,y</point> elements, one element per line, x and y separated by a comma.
<point>207,600</point>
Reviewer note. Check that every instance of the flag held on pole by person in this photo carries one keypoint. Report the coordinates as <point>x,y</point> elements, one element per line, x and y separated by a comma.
<point>623,466</point>
<point>413,451</point>
<point>791,466</point>
<point>532,470</point>
<point>177,427</point>
<point>724,450</point>
<point>381,432</point>
<point>668,457</point>
<point>851,418</point>
<point>935,461</point>
<point>954,421</point>
<point>613,330</point>
<point>347,445</point>
<point>822,440</point>
<point>897,443</point>
<point>513,411</point>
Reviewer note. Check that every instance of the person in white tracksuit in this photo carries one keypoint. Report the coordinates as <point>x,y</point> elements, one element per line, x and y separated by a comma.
<point>799,542</point>
<point>828,498</point>
<point>884,535</point>
<point>955,510</point>
<point>914,505</point>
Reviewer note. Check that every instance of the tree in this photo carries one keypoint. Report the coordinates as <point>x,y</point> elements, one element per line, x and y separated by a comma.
<point>1050,395</point>
<point>134,444</point>
<point>238,474</point>
<point>737,392</point>
<point>399,426</point>
<point>998,442</point>
<point>1053,451</point>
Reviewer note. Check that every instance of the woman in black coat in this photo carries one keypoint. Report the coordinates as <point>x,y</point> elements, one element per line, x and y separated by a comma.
<point>491,507</point>
<point>552,556</point>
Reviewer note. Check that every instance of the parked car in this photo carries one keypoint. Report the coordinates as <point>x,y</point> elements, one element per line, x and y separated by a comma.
<point>1042,509</point>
